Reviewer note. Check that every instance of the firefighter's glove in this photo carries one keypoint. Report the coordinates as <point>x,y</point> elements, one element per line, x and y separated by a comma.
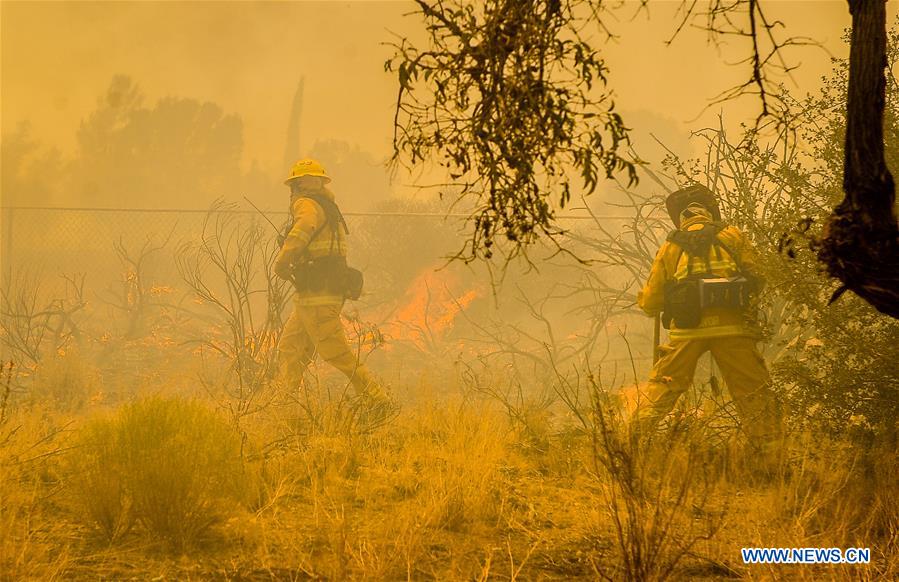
<point>283,270</point>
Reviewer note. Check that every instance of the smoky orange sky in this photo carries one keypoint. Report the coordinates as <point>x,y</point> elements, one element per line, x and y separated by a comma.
<point>59,57</point>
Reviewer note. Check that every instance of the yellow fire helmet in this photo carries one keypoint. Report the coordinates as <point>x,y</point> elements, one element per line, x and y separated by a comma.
<point>307,167</point>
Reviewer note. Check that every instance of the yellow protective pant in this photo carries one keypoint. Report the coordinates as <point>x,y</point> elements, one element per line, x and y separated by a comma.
<point>318,330</point>
<point>744,373</point>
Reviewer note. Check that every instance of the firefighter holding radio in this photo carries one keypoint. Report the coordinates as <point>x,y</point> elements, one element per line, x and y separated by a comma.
<point>704,281</point>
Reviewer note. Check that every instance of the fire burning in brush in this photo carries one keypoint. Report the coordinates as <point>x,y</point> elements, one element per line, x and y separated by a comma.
<point>429,310</point>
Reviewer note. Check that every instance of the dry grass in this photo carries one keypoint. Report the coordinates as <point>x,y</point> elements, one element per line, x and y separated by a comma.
<point>454,488</point>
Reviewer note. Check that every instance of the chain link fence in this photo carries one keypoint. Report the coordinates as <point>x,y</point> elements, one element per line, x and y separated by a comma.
<point>97,242</point>
<point>48,242</point>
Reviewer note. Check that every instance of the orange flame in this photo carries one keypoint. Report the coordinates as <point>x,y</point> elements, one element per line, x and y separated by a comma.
<point>429,309</point>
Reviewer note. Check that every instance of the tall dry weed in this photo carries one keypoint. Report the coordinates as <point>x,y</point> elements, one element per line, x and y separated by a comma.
<point>658,495</point>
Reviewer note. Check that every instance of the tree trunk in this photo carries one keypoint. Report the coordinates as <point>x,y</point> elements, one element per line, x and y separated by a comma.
<point>862,237</point>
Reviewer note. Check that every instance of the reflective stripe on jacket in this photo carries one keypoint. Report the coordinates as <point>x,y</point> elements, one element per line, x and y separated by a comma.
<point>311,237</point>
<point>671,264</point>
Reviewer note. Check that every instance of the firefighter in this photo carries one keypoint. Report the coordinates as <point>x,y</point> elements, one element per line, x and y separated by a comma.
<point>313,257</point>
<point>704,282</point>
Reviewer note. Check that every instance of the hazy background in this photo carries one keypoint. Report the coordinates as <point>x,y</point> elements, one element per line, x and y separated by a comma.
<point>59,59</point>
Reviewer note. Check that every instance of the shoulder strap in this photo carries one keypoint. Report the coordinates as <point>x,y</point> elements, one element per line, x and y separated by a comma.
<point>730,252</point>
<point>332,212</point>
<point>333,218</point>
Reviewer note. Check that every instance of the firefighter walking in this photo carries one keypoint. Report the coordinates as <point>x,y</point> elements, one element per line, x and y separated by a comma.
<point>704,282</point>
<point>313,257</point>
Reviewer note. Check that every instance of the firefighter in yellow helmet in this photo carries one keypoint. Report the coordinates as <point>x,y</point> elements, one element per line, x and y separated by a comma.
<point>313,257</point>
<point>704,281</point>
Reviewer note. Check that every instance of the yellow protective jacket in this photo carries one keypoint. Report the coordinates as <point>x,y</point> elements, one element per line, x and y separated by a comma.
<point>311,237</point>
<point>671,264</point>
